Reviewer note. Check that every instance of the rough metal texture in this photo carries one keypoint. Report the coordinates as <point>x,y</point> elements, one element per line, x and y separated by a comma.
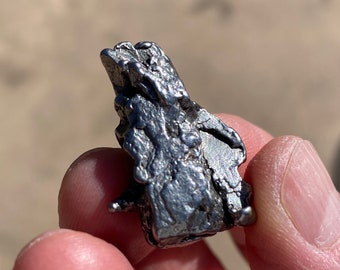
<point>186,184</point>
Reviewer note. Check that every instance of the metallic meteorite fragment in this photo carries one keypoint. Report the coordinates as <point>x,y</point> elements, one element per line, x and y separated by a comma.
<point>186,184</point>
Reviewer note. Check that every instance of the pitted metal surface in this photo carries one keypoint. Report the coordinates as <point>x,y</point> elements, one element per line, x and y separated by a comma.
<point>186,184</point>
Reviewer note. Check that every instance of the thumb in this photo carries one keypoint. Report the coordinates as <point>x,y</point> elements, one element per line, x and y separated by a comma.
<point>298,209</point>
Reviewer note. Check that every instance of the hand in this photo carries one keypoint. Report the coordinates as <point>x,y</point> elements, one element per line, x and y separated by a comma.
<point>298,214</point>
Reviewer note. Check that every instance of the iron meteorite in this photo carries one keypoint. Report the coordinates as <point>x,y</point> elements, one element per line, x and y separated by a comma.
<point>186,184</point>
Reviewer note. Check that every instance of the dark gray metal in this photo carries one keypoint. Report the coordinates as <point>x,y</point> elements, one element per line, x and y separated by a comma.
<point>186,184</point>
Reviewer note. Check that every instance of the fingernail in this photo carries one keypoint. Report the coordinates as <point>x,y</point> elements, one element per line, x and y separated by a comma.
<point>309,197</point>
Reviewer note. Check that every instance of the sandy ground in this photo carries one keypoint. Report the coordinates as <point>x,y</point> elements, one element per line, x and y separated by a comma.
<point>276,64</point>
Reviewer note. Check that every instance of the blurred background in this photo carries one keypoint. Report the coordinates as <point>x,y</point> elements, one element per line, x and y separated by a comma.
<point>275,63</point>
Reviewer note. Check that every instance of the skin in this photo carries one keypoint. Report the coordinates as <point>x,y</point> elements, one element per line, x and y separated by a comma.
<point>297,206</point>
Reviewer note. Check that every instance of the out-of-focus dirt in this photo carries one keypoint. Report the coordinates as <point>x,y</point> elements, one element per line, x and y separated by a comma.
<point>275,64</point>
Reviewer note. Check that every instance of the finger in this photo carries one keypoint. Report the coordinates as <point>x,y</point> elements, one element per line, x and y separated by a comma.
<point>93,180</point>
<point>297,207</point>
<point>195,256</point>
<point>65,249</point>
